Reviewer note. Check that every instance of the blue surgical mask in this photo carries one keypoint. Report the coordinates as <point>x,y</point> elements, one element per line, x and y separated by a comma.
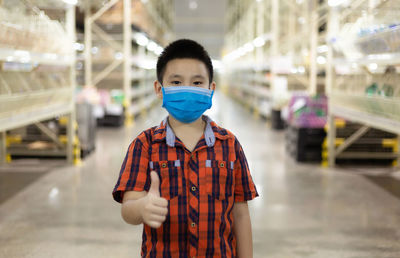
<point>186,103</point>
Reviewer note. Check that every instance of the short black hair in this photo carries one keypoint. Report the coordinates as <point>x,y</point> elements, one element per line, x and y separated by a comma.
<point>183,48</point>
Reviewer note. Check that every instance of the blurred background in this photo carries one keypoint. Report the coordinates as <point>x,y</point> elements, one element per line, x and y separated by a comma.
<point>310,88</point>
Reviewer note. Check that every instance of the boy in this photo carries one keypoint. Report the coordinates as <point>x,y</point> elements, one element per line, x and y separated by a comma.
<point>187,180</point>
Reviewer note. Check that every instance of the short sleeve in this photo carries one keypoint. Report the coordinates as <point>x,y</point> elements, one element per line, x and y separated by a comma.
<point>245,188</point>
<point>134,173</point>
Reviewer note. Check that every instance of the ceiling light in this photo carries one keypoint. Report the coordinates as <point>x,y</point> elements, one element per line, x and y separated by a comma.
<point>248,47</point>
<point>373,66</point>
<point>152,46</point>
<point>259,42</point>
<point>321,60</point>
<point>141,39</point>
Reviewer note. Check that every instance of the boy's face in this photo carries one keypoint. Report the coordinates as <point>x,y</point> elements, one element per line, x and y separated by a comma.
<point>184,72</point>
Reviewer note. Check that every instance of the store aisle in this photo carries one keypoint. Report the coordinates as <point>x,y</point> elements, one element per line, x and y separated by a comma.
<point>302,211</point>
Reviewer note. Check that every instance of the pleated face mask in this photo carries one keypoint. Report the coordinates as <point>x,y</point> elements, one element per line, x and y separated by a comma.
<point>186,103</point>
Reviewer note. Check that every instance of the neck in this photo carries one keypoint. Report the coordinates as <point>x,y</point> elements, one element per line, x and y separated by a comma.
<point>199,124</point>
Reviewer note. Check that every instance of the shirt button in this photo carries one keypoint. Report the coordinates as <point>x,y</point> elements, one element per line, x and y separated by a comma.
<point>193,188</point>
<point>221,165</point>
<point>192,156</point>
<point>193,224</point>
<point>164,165</point>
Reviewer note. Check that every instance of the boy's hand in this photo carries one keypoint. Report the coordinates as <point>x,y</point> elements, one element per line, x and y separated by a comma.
<point>155,208</point>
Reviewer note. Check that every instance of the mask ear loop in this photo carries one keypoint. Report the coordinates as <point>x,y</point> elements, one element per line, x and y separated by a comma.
<point>163,94</point>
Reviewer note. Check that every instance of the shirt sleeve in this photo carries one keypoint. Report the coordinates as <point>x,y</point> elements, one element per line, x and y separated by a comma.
<point>134,173</point>
<point>245,188</point>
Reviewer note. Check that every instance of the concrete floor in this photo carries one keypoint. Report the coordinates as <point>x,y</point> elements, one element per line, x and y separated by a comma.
<point>302,211</point>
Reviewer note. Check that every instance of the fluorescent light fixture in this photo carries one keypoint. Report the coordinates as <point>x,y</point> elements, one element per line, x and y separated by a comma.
<point>145,1</point>
<point>152,46</point>
<point>321,60</point>
<point>141,39</point>
<point>71,2</point>
<point>158,50</point>
<point>322,49</point>
<point>299,1</point>
<point>301,20</point>
<point>301,69</point>
<point>217,64</point>
<point>259,42</point>
<point>248,47</point>
<point>79,46</point>
<point>373,66</point>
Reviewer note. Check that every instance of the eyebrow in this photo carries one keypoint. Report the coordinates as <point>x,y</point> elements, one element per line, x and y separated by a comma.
<point>174,76</point>
<point>198,76</point>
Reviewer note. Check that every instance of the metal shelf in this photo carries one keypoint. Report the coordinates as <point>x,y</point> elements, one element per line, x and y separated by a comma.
<point>347,96</point>
<point>30,95</point>
<point>23,56</point>
<point>367,118</point>
<point>379,59</point>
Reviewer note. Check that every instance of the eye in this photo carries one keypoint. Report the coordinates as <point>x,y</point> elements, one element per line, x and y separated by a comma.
<point>175,82</point>
<point>198,83</point>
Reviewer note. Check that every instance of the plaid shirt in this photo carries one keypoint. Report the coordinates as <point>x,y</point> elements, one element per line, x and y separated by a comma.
<point>201,188</point>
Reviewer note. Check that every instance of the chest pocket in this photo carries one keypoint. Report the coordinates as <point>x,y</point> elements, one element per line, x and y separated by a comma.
<point>170,173</point>
<point>219,177</point>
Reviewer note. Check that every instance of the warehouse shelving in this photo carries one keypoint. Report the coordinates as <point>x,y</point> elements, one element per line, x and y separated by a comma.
<point>276,50</point>
<point>145,36</point>
<point>352,67</point>
<point>37,75</point>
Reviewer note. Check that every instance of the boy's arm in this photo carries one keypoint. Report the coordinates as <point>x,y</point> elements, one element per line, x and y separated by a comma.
<point>131,206</point>
<point>145,207</point>
<point>242,230</point>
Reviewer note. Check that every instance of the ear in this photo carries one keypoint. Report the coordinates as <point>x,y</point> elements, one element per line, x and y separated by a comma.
<point>157,89</point>
<point>213,85</point>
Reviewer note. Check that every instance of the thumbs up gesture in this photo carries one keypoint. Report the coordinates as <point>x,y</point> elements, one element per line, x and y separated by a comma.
<point>155,208</point>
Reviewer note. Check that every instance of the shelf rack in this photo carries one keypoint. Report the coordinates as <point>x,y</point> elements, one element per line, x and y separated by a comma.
<point>351,68</point>
<point>275,45</point>
<point>27,94</point>
<point>138,63</point>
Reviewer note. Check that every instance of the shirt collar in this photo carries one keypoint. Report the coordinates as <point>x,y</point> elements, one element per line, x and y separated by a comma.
<point>211,132</point>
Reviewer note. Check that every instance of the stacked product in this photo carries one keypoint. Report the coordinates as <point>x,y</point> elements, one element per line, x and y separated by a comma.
<point>305,133</point>
<point>374,147</point>
<point>33,32</point>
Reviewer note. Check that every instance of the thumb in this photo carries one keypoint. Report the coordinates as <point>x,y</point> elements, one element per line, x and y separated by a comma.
<point>155,184</point>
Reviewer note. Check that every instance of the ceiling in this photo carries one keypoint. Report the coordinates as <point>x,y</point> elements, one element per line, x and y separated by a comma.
<point>202,21</point>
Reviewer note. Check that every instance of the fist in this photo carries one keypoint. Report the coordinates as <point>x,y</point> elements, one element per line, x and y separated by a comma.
<point>155,208</point>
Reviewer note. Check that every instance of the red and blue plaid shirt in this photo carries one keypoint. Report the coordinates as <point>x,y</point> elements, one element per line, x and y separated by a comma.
<point>201,187</point>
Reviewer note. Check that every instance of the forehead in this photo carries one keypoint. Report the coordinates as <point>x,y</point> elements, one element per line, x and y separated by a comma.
<point>186,67</point>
